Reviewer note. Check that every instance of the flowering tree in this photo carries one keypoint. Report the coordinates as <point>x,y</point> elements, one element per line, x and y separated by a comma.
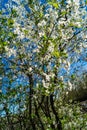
<point>38,44</point>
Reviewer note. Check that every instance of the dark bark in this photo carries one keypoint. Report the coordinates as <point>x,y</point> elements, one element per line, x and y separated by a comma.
<point>41,102</point>
<point>30,76</point>
<point>9,121</point>
<point>20,122</point>
<point>46,110</point>
<point>39,119</point>
<point>46,107</point>
<point>58,122</point>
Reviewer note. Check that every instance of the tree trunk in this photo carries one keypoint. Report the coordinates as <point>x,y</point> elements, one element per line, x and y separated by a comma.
<point>58,122</point>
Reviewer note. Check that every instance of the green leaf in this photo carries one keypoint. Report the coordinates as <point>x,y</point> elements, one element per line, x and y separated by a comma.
<point>4,43</point>
<point>86,2</point>
<point>56,54</point>
<point>10,21</point>
<point>63,13</point>
<point>54,4</point>
<point>45,37</point>
<point>26,32</point>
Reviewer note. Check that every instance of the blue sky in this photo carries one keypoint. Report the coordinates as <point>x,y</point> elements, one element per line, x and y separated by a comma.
<point>2,3</point>
<point>78,67</point>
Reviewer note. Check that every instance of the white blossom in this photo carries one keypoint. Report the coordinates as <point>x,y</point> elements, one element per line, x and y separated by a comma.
<point>30,69</point>
<point>62,78</point>
<point>10,51</point>
<point>70,85</point>
<point>69,1</point>
<point>45,85</point>
<point>42,23</point>
<point>41,33</point>
<point>51,48</point>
